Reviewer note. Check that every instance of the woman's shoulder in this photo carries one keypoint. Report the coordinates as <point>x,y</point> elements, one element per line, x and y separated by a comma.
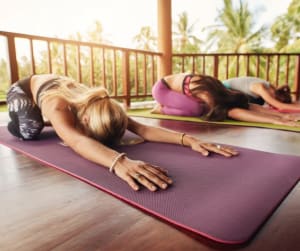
<point>38,80</point>
<point>175,81</point>
<point>43,77</point>
<point>175,77</point>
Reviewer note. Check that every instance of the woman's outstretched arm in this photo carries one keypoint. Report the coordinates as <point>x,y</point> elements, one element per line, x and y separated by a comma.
<point>269,111</point>
<point>134,172</point>
<point>269,99</point>
<point>159,134</point>
<point>251,115</point>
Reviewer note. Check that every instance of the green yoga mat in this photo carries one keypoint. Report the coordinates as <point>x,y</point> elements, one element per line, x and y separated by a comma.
<point>147,114</point>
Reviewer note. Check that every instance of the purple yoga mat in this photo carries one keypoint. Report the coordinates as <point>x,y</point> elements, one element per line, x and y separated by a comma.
<point>226,200</point>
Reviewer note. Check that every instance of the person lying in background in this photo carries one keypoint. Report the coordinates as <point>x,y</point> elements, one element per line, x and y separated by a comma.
<point>90,123</point>
<point>261,91</point>
<point>205,96</point>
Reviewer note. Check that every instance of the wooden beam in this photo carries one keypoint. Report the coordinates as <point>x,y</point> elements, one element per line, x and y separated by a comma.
<point>164,23</point>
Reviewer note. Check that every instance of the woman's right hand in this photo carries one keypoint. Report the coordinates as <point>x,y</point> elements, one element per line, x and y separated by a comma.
<point>286,122</point>
<point>136,172</point>
<point>291,117</point>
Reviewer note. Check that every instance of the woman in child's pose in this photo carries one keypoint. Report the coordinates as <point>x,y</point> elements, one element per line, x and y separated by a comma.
<point>261,91</point>
<point>201,95</point>
<point>89,121</point>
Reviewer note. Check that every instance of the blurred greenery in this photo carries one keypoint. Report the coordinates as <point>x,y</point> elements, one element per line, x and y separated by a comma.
<point>235,31</point>
<point>3,108</point>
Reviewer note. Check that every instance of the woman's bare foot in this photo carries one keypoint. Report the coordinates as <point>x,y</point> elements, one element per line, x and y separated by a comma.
<point>157,109</point>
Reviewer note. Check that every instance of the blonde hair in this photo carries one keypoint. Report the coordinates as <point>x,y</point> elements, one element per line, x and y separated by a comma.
<point>107,120</point>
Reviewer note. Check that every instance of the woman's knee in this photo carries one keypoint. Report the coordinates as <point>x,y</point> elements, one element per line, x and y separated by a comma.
<point>14,129</point>
<point>26,124</point>
<point>25,131</point>
<point>31,127</point>
<point>159,90</point>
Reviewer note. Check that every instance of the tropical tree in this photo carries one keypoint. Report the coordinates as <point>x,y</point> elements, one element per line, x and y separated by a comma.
<point>183,38</point>
<point>145,40</point>
<point>4,78</point>
<point>235,32</point>
<point>96,34</point>
<point>286,29</point>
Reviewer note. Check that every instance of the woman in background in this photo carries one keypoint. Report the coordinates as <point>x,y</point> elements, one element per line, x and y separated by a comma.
<point>205,96</point>
<point>261,91</point>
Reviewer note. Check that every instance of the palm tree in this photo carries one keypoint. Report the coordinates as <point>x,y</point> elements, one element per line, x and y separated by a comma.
<point>184,40</point>
<point>96,34</point>
<point>235,32</point>
<point>286,29</point>
<point>145,39</point>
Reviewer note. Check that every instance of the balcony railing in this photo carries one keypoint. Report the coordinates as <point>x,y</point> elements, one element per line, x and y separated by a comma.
<point>129,74</point>
<point>277,68</point>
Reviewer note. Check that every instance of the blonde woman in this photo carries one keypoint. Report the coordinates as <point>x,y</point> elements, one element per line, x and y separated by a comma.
<point>89,121</point>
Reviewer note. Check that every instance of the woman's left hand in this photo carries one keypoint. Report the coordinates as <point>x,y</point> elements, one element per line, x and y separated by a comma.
<point>292,117</point>
<point>206,147</point>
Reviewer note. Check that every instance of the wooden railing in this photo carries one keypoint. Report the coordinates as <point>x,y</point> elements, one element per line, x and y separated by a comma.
<point>129,74</point>
<point>277,68</point>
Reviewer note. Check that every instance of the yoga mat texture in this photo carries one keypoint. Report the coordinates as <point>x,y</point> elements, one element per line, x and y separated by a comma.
<point>147,114</point>
<point>224,199</point>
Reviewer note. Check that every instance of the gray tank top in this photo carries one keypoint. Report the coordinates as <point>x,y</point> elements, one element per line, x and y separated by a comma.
<point>243,84</point>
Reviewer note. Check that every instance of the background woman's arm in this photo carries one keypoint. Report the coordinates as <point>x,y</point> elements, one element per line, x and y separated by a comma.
<point>269,99</point>
<point>260,117</point>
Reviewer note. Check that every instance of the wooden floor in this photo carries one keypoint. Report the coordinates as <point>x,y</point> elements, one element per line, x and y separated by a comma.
<point>45,209</point>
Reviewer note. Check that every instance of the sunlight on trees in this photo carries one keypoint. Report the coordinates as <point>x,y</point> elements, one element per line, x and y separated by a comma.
<point>233,33</point>
<point>286,29</point>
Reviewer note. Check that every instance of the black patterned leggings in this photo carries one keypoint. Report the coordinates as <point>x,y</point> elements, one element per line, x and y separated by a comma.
<point>26,118</point>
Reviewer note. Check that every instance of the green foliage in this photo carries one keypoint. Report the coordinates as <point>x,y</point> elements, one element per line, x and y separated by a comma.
<point>4,79</point>
<point>3,108</point>
<point>183,39</point>
<point>286,28</point>
<point>235,32</point>
<point>145,40</point>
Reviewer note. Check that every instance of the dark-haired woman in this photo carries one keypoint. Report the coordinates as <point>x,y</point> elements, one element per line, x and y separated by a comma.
<point>205,96</point>
<point>261,91</point>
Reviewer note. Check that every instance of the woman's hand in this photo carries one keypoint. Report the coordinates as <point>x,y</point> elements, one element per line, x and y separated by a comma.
<point>292,117</point>
<point>285,122</point>
<point>136,173</point>
<point>205,147</point>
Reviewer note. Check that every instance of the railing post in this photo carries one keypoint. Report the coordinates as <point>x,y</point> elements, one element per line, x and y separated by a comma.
<point>126,78</point>
<point>164,28</point>
<point>13,64</point>
<point>297,77</point>
<point>216,66</point>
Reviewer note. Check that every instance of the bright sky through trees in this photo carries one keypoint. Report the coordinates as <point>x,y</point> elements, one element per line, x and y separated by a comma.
<point>121,20</point>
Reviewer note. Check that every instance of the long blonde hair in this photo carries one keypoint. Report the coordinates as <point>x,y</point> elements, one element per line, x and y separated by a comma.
<point>107,120</point>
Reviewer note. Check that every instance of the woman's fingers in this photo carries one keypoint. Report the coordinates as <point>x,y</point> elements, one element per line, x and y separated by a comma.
<point>229,151</point>
<point>217,148</point>
<point>156,171</point>
<point>150,176</point>
<point>130,181</point>
<point>155,176</point>
<point>145,182</point>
